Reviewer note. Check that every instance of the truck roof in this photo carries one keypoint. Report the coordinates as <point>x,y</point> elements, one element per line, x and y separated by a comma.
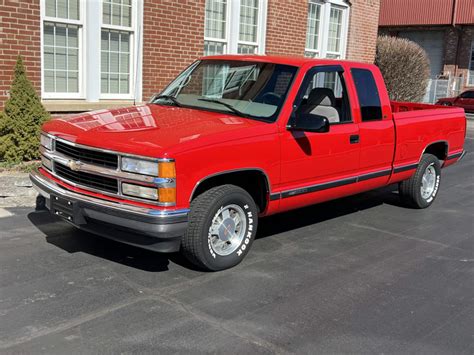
<point>295,61</point>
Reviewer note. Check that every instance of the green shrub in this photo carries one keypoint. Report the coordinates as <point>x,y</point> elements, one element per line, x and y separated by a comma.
<point>21,120</point>
<point>405,68</point>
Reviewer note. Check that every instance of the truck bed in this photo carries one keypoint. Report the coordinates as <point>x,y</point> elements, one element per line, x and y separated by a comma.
<point>418,126</point>
<point>398,106</point>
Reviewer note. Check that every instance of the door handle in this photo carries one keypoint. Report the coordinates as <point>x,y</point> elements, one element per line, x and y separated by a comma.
<point>354,139</point>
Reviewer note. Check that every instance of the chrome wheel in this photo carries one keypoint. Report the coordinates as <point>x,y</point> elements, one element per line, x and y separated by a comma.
<point>428,182</point>
<point>227,229</point>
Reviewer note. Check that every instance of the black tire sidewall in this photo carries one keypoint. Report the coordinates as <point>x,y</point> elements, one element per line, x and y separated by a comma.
<point>425,163</point>
<point>215,261</point>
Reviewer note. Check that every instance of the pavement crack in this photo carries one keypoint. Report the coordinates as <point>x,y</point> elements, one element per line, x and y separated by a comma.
<point>69,324</point>
<point>404,236</point>
<point>224,325</point>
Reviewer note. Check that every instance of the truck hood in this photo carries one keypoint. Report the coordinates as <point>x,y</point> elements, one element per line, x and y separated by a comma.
<point>155,130</point>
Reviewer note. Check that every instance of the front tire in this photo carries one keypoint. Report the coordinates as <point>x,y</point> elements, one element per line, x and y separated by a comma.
<point>422,188</point>
<point>221,228</point>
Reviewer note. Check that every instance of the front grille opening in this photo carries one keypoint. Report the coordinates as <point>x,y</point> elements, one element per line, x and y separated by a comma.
<point>85,179</point>
<point>107,160</point>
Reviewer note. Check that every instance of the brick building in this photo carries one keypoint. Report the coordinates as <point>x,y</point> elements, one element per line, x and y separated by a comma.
<point>445,29</point>
<point>89,54</point>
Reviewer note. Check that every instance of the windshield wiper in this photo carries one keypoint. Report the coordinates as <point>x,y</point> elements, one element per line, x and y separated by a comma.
<point>229,106</point>
<point>173,99</point>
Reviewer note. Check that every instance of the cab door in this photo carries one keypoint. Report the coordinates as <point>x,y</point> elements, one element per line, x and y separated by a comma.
<point>320,166</point>
<point>376,128</point>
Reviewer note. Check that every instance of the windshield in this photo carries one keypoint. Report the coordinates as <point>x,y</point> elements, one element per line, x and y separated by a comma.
<point>248,89</point>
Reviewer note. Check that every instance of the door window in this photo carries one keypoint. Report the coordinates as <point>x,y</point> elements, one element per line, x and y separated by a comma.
<point>324,94</point>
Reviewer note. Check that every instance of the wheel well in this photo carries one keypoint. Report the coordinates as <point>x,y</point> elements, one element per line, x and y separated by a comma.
<point>438,149</point>
<point>254,182</point>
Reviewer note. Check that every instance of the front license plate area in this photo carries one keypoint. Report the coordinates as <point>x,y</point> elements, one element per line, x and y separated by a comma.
<point>62,207</point>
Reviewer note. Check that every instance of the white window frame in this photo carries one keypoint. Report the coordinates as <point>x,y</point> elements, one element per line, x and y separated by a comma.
<point>232,30</point>
<point>322,50</point>
<point>89,41</point>
<point>470,77</point>
<point>80,36</point>
<point>132,48</point>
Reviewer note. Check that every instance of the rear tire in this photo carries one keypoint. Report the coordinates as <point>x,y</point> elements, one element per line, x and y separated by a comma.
<point>422,188</point>
<point>221,228</point>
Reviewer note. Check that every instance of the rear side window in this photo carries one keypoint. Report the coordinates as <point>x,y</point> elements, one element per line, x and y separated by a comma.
<point>368,94</point>
<point>467,95</point>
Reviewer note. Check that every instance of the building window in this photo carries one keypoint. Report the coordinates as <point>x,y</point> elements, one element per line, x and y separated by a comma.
<point>117,13</point>
<point>116,36</point>
<point>62,28</point>
<point>313,29</point>
<point>115,62</point>
<point>334,33</point>
<point>248,27</point>
<point>73,35</point>
<point>326,31</point>
<point>215,29</point>
<point>234,27</point>
<point>470,81</point>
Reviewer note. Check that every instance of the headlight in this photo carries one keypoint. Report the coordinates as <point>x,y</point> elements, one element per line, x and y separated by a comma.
<point>46,142</point>
<point>164,169</point>
<point>165,173</point>
<point>138,166</point>
<point>150,193</point>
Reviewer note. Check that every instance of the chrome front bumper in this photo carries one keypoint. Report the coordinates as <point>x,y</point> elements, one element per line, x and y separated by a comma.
<point>154,229</point>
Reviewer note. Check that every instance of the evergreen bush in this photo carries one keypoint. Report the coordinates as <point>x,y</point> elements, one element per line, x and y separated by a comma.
<point>21,120</point>
<point>405,67</point>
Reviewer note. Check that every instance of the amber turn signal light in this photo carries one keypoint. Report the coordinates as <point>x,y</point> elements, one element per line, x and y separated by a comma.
<point>167,194</point>
<point>167,170</point>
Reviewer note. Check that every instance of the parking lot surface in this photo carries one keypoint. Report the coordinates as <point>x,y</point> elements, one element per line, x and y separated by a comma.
<point>361,274</point>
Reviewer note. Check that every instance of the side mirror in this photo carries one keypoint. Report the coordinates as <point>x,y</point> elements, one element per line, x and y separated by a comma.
<point>309,123</point>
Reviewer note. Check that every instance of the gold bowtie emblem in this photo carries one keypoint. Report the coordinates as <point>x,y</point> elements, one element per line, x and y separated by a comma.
<point>74,165</point>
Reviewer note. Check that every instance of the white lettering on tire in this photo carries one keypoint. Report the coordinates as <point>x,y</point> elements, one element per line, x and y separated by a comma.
<point>435,190</point>
<point>246,241</point>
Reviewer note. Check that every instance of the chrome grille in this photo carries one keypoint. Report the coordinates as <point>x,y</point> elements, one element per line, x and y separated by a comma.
<point>98,170</point>
<point>97,182</point>
<point>95,157</point>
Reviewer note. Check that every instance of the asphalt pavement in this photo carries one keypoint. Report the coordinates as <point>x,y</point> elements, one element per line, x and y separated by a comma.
<point>357,275</point>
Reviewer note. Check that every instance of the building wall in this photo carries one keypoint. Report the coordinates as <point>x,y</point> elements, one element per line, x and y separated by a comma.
<point>363,28</point>
<point>286,27</point>
<point>19,35</point>
<point>173,33</point>
<point>466,37</point>
<point>426,12</point>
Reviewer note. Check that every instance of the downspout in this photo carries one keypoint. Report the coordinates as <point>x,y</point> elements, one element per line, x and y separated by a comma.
<point>458,32</point>
<point>453,14</point>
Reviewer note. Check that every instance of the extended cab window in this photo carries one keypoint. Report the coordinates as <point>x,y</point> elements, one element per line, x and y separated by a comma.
<point>325,95</point>
<point>368,94</point>
<point>244,88</point>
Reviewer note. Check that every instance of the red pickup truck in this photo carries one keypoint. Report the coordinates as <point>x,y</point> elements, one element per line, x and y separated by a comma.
<point>236,138</point>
